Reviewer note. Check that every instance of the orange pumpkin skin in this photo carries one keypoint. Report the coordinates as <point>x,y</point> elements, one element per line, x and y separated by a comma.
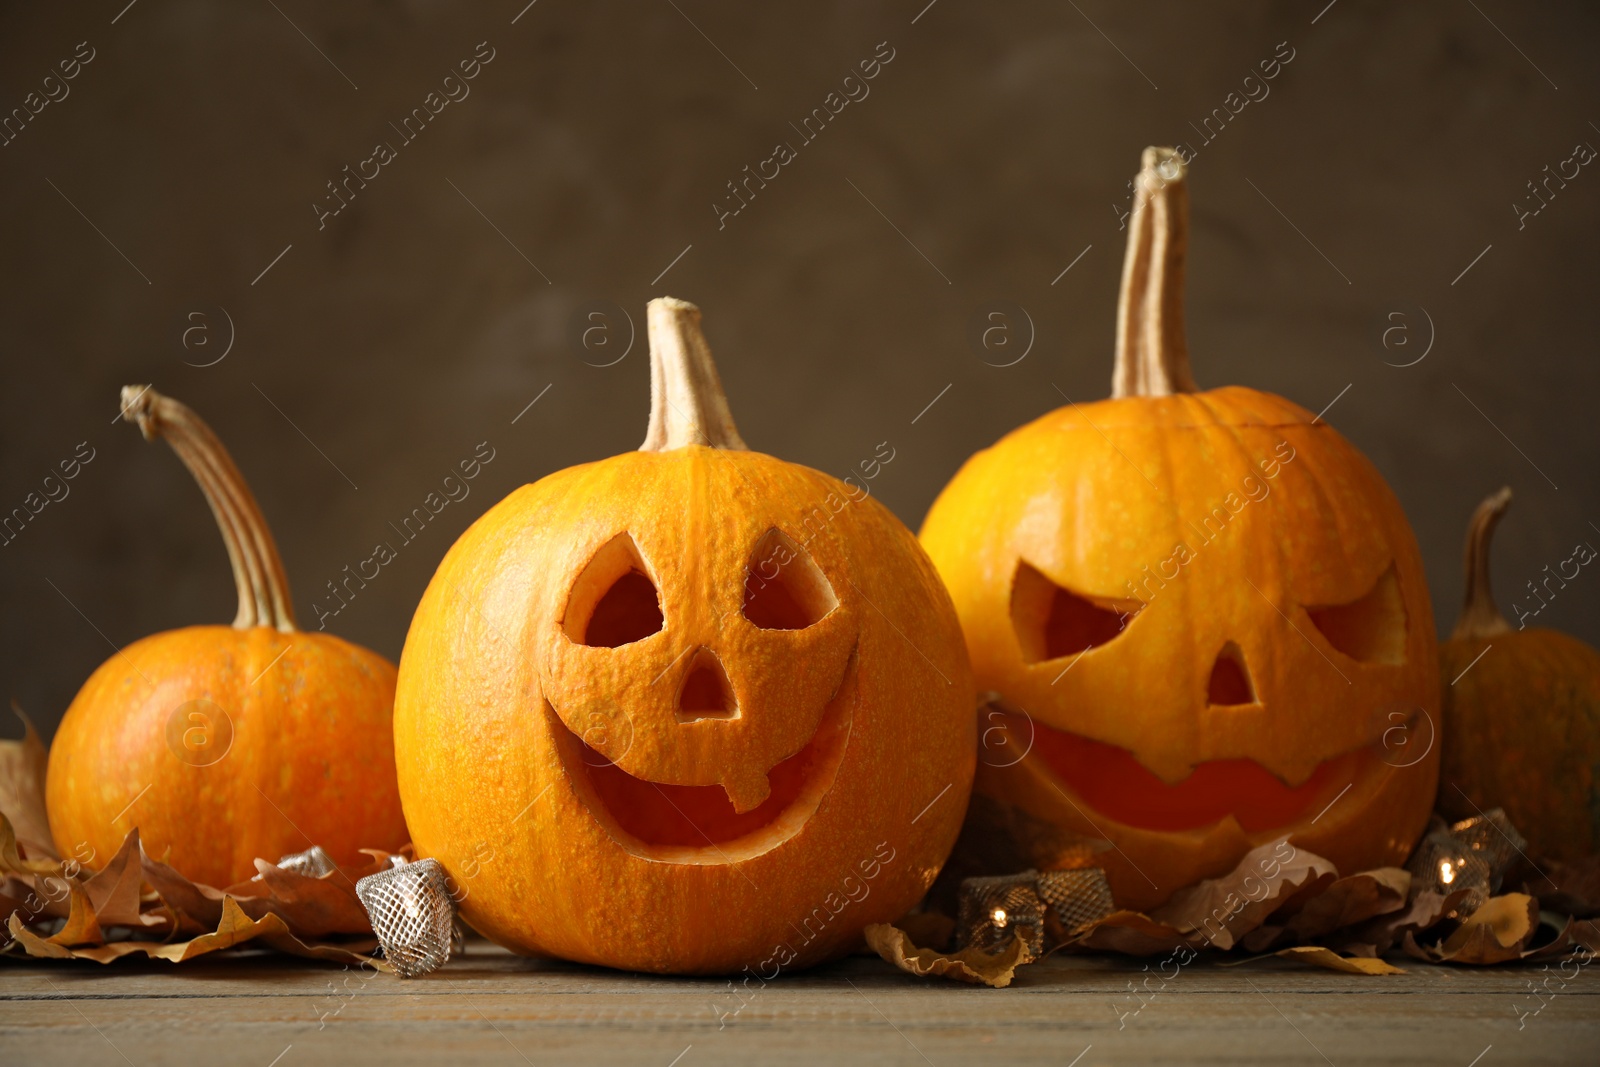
<point>224,744</point>
<point>582,814</point>
<point>1065,536</point>
<point>310,759</point>
<point>1521,717</point>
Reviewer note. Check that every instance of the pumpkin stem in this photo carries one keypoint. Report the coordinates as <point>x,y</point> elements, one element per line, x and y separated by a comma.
<point>687,404</point>
<point>257,570</point>
<point>1152,356</point>
<point>1479,616</point>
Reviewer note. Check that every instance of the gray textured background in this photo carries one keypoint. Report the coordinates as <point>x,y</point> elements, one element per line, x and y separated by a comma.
<point>997,141</point>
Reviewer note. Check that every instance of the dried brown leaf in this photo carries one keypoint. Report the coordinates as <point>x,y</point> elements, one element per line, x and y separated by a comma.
<point>22,773</point>
<point>1496,932</point>
<point>198,907</point>
<point>970,965</point>
<point>1326,957</point>
<point>313,907</point>
<point>1219,911</point>
<point>235,929</point>
<point>1426,910</point>
<point>11,859</point>
<point>81,927</point>
<point>1131,933</point>
<point>114,889</point>
<point>1345,902</point>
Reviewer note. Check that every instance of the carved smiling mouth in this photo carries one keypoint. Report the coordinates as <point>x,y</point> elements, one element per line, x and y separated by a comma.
<point>1115,784</point>
<point>698,824</point>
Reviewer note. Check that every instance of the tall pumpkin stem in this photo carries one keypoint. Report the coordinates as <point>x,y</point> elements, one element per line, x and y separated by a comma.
<point>1152,355</point>
<point>1479,616</point>
<point>687,404</point>
<point>257,570</point>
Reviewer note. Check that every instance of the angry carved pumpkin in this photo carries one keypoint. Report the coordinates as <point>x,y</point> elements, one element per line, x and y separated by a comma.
<point>224,744</point>
<point>1203,615</point>
<point>688,709</point>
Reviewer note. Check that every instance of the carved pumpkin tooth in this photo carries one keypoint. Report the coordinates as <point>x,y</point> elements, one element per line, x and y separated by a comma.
<point>747,792</point>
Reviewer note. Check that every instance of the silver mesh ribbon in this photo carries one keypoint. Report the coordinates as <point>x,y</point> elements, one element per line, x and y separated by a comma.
<point>1473,854</point>
<point>313,862</point>
<point>413,915</point>
<point>1032,907</point>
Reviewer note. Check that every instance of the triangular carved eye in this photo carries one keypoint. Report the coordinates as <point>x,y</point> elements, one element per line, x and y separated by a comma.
<point>1052,622</point>
<point>1372,628</point>
<point>613,602</point>
<point>1230,678</point>
<point>783,588</point>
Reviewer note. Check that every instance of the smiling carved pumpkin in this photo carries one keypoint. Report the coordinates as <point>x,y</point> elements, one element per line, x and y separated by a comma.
<point>688,709</point>
<point>1203,615</point>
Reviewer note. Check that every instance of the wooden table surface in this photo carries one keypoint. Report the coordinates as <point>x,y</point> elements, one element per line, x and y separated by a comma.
<point>491,1007</point>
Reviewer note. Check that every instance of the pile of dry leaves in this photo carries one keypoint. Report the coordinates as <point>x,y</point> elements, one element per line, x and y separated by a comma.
<point>1280,901</point>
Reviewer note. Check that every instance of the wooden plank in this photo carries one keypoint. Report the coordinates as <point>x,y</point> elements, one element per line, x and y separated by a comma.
<point>492,1007</point>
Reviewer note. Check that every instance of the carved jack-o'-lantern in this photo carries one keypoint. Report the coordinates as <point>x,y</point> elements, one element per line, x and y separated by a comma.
<point>691,708</point>
<point>1204,614</point>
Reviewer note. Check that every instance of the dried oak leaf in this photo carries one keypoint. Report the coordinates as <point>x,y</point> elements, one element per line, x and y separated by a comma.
<point>81,928</point>
<point>198,908</point>
<point>1346,902</point>
<point>1426,910</point>
<point>312,907</point>
<point>1219,911</point>
<point>970,965</point>
<point>114,889</point>
<point>1131,933</point>
<point>236,928</point>
<point>1326,957</point>
<point>22,772</point>
<point>1496,932</point>
<point>11,859</point>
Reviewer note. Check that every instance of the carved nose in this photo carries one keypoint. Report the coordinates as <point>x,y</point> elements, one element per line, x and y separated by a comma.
<point>705,693</point>
<point>1230,678</point>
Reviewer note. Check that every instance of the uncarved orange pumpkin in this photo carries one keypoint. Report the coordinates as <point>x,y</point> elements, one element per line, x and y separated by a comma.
<point>1203,615</point>
<point>1521,711</point>
<point>688,709</point>
<point>223,744</point>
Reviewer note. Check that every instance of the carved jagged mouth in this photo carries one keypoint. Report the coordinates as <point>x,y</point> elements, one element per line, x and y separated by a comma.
<point>1115,784</point>
<point>698,824</point>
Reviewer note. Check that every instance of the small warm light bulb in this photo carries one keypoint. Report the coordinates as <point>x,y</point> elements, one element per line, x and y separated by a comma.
<point>999,916</point>
<point>409,903</point>
<point>1447,872</point>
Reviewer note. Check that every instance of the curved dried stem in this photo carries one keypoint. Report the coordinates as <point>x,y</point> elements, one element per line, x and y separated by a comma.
<point>1152,356</point>
<point>1479,615</point>
<point>257,570</point>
